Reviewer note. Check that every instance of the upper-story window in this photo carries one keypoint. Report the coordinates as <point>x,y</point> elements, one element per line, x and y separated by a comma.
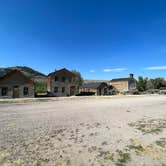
<point>26,91</point>
<point>63,79</point>
<point>70,79</point>
<point>56,78</point>
<point>55,89</point>
<point>4,91</point>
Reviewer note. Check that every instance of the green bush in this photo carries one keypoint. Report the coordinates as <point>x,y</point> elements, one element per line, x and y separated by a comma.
<point>40,87</point>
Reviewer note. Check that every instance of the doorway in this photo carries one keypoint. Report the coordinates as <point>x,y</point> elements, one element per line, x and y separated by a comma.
<point>72,90</point>
<point>99,91</point>
<point>15,92</point>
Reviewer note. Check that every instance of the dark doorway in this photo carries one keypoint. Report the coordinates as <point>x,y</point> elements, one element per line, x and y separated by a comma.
<point>99,91</point>
<point>72,90</point>
<point>15,92</point>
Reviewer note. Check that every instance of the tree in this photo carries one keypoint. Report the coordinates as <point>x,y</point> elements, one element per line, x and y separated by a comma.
<point>78,80</point>
<point>142,84</point>
<point>147,84</point>
<point>40,87</point>
<point>150,84</point>
<point>159,82</point>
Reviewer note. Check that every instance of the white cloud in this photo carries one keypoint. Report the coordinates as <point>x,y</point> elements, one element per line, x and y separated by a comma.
<point>115,70</point>
<point>155,68</point>
<point>92,71</point>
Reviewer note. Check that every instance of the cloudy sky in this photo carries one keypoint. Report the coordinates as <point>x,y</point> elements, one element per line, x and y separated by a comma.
<point>102,39</point>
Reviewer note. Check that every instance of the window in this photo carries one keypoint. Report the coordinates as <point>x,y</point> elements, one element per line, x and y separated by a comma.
<point>26,91</point>
<point>56,89</point>
<point>70,80</point>
<point>4,91</point>
<point>56,78</point>
<point>63,89</point>
<point>63,79</point>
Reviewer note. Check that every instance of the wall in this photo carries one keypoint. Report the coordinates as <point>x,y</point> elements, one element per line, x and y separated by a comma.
<point>21,89</point>
<point>89,90</point>
<point>121,86</point>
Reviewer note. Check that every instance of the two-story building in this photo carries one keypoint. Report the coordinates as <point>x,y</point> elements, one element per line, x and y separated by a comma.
<point>61,83</point>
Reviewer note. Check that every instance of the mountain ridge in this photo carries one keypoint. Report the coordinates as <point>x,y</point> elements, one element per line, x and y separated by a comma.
<point>31,73</point>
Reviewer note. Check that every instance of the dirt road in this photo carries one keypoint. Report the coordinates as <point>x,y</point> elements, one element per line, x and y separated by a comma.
<point>84,132</point>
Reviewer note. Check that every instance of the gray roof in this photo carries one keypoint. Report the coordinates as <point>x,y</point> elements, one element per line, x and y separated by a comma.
<point>95,81</point>
<point>123,79</point>
<point>92,85</point>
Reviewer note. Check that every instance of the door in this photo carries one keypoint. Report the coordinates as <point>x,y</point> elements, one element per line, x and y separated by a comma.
<point>15,92</point>
<point>72,90</point>
<point>99,91</point>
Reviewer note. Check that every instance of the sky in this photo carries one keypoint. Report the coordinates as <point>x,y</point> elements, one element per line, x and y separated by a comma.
<point>103,39</point>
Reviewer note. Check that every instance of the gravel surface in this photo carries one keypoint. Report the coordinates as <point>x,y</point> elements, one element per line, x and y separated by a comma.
<point>84,131</point>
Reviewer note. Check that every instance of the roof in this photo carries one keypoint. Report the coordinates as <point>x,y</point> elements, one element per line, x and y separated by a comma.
<point>61,70</point>
<point>95,81</point>
<point>4,71</point>
<point>122,79</point>
<point>8,74</point>
<point>93,85</point>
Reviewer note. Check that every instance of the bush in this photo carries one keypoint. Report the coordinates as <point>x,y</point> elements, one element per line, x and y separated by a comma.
<point>40,87</point>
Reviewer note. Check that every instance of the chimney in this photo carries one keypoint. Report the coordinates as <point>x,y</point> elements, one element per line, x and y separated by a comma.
<point>131,76</point>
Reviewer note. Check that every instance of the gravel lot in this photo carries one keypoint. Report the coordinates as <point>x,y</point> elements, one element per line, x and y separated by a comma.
<point>84,131</point>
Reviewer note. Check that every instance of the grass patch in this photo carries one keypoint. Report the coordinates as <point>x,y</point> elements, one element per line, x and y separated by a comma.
<point>161,142</point>
<point>152,126</point>
<point>123,158</point>
<point>137,148</point>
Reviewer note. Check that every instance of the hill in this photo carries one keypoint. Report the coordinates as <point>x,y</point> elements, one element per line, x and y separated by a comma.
<point>33,74</point>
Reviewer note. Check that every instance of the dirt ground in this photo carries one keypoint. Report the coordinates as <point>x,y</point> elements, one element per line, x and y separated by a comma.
<point>84,131</point>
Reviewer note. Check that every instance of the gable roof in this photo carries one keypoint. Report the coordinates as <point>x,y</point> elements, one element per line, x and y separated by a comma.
<point>8,74</point>
<point>93,85</point>
<point>60,71</point>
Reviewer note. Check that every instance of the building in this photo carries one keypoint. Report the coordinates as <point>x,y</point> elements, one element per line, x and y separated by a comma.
<point>124,84</point>
<point>15,84</point>
<point>98,88</point>
<point>61,83</point>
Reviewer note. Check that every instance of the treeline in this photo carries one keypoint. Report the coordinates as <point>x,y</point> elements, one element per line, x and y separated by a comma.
<point>144,84</point>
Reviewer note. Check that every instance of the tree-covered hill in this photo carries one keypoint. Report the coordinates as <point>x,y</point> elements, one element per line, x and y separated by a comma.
<point>37,76</point>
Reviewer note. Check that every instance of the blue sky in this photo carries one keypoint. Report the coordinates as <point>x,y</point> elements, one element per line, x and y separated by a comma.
<point>102,39</point>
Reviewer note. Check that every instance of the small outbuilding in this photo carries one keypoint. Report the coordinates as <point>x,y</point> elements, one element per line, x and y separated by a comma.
<point>15,84</point>
<point>98,88</point>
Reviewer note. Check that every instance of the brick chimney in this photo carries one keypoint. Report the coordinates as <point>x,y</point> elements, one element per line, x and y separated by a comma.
<point>131,75</point>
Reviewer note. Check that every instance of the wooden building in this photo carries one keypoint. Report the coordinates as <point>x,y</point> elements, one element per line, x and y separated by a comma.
<point>98,88</point>
<point>124,84</point>
<point>15,84</point>
<point>61,83</point>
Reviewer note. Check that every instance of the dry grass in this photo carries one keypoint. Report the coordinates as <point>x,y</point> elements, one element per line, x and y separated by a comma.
<point>149,126</point>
